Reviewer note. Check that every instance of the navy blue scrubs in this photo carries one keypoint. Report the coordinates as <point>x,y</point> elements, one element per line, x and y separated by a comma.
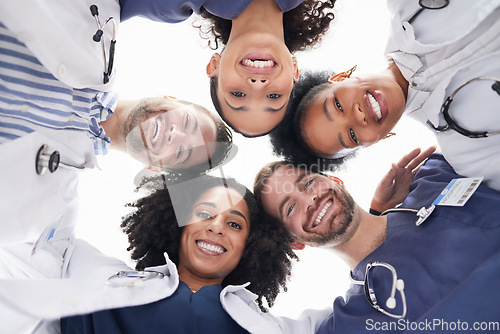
<point>182,312</point>
<point>450,265</point>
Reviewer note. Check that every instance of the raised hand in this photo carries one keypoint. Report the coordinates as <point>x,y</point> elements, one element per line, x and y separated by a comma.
<point>394,186</point>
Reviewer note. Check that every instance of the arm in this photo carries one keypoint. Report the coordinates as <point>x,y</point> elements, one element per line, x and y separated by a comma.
<point>394,186</point>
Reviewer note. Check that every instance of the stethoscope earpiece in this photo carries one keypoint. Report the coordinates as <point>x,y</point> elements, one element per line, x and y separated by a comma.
<point>97,37</point>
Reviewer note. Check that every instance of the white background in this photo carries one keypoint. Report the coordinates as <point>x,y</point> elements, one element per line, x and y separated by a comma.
<point>155,59</point>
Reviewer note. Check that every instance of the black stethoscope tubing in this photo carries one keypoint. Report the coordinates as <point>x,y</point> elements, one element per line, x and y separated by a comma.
<point>428,4</point>
<point>452,124</point>
<point>97,37</point>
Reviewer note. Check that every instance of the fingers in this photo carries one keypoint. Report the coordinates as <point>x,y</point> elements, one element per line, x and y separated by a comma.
<point>423,157</point>
<point>413,160</point>
<point>407,158</point>
<point>388,179</point>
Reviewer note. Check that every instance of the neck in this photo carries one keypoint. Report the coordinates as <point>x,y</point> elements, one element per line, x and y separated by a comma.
<point>394,71</point>
<point>194,282</point>
<point>369,234</point>
<point>114,124</point>
<point>261,16</point>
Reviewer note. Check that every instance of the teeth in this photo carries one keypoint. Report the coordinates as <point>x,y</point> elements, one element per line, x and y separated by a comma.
<point>322,213</point>
<point>212,248</point>
<point>157,128</point>
<point>258,63</point>
<point>375,106</point>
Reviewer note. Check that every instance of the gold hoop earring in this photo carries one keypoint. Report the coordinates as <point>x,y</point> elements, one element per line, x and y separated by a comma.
<point>390,134</point>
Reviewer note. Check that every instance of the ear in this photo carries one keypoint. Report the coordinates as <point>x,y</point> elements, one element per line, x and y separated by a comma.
<point>297,245</point>
<point>213,65</point>
<point>295,70</point>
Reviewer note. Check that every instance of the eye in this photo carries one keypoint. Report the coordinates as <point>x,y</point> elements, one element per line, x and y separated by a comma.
<point>274,96</point>
<point>204,215</point>
<point>186,121</point>
<point>338,105</point>
<point>179,151</point>
<point>353,136</point>
<point>238,94</point>
<point>308,183</point>
<point>235,225</point>
<point>290,208</point>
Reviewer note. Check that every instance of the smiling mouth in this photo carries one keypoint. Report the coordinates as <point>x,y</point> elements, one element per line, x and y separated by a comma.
<point>322,213</point>
<point>258,63</point>
<point>375,106</point>
<point>211,248</point>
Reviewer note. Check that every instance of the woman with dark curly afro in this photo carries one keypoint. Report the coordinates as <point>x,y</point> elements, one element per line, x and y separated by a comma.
<point>251,79</point>
<point>217,252</point>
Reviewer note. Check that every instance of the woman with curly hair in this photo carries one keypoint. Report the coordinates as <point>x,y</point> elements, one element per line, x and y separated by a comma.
<point>251,79</point>
<point>215,251</point>
<point>446,77</point>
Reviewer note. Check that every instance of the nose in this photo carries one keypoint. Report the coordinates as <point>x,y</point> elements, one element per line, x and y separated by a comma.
<point>311,201</point>
<point>359,116</point>
<point>174,134</point>
<point>258,82</point>
<point>216,225</point>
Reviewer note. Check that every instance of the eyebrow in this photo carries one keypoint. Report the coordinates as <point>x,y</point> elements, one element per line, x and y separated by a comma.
<point>342,141</point>
<point>282,204</point>
<point>195,126</point>
<point>234,212</point>
<point>190,152</point>
<point>242,108</point>
<point>327,113</point>
<point>331,119</point>
<point>245,108</point>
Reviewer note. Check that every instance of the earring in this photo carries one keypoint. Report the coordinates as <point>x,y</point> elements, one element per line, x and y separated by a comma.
<point>297,245</point>
<point>342,75</point>
<point>336,179</point>
<point>390,134</point>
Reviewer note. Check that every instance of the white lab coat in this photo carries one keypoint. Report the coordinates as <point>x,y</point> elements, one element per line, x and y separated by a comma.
<point>59,33</point>
<point>33,205</point>
<point>85,289</point>
<point>440,50</point>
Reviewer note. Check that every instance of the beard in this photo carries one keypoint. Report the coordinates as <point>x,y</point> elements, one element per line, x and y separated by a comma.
<point>134,137</point>
<point>337,225</point>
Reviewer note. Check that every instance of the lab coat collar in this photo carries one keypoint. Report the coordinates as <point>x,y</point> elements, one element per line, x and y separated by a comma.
<point>85,289</point>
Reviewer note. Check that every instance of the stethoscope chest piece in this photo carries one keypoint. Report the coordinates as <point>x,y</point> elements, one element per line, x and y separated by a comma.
<point>46,161</point>
<point>433,4</point>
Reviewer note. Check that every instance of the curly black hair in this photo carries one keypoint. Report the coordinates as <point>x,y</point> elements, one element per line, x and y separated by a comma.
<point>303,26</point>
<point>153,228</point>
<point>287,139</point>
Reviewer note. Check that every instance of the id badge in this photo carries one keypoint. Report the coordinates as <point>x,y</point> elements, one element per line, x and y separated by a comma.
<point>456,193</point>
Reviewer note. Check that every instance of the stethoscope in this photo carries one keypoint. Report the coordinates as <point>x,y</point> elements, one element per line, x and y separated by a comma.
<point>452,124</point>
<point>397,284</point>
<point>50,161</point>
<point>133,278</point>
<point>108,66</point>
<point>428,4</point>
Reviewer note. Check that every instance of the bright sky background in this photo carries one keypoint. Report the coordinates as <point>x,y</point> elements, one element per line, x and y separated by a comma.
<point>156,59</point>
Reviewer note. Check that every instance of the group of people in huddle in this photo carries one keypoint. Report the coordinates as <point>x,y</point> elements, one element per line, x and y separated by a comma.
<point>211,256</point>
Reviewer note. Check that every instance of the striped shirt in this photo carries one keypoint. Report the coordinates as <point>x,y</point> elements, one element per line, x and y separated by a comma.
<point>32,99</point>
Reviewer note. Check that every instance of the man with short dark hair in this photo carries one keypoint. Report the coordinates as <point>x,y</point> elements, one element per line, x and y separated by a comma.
<point>406,270</point>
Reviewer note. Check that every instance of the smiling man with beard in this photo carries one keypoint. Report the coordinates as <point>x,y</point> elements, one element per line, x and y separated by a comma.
<point>171,134</point>
<point>404,274</point>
